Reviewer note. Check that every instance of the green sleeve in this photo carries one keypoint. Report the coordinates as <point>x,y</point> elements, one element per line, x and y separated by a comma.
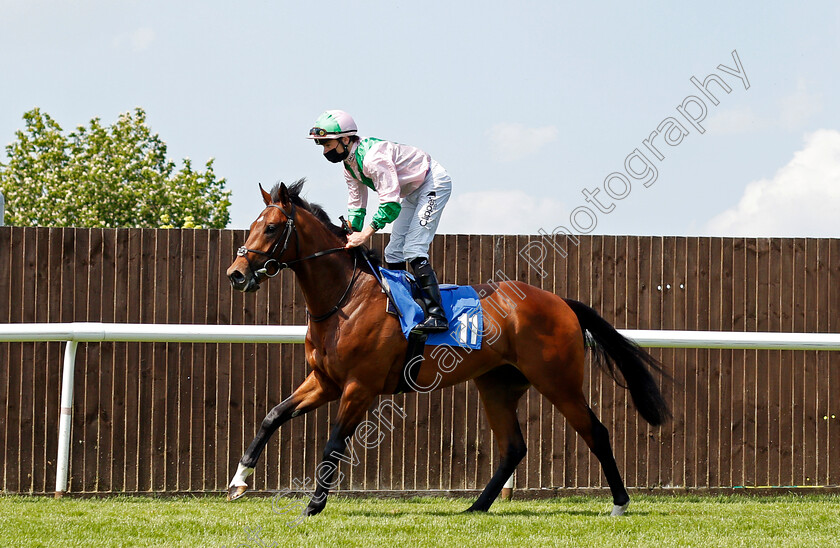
<point>357,217</point>
<point>386,213</point>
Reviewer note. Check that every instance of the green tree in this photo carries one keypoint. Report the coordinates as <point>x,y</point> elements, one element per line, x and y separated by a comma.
<point>105,176</point>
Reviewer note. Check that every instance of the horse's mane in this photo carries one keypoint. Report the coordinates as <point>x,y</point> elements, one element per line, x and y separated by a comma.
<point>318,212</point>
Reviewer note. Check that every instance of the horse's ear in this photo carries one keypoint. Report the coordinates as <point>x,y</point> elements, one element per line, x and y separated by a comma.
<point>285,199</point>
<point>266,196</point>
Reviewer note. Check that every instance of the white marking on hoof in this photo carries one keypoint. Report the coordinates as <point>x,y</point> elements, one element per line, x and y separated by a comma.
<point>619,510</point>
<point>239,477</point>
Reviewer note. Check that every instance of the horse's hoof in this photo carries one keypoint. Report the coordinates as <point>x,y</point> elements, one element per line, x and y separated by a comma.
<point>619,510</point>
<point>312,510</point>
<point>473,509</point>
<point>236,492</point>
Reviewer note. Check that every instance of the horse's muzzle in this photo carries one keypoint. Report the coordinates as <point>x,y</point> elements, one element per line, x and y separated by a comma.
<point>241,282</point>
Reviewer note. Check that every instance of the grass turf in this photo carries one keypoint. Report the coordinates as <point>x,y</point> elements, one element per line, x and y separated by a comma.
<point>575,521</point>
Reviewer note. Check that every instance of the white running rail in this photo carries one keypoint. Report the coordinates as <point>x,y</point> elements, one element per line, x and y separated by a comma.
<point>77,332</point>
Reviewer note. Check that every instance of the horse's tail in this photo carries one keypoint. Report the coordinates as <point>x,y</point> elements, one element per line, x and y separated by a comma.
<point>614,350</point>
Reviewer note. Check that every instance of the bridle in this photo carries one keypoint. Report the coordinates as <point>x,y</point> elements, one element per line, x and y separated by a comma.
<point>285,238</point>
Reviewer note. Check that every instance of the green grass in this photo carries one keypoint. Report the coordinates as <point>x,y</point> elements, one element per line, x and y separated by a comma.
<point>575,521</point>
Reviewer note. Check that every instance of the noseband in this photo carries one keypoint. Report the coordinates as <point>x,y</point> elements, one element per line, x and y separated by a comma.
<point>273,253</point>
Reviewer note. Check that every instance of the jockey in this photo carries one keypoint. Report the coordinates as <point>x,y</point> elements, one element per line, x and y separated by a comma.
<point>413,190</point>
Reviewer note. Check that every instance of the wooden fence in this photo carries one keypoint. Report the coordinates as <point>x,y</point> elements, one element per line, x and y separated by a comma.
<point>176,417</point>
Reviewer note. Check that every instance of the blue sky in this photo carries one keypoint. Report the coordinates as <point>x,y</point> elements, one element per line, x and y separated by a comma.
<point>526,105</point>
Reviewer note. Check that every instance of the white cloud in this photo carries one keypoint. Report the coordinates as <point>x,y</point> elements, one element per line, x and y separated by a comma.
<point>798,107</point>
<point>511,142</point>
<point>737,120</point>
<point>501,212</point>
<point>139,40</point>
<point>142,38</point>
<point>802,199</point>
<point>791,112</point>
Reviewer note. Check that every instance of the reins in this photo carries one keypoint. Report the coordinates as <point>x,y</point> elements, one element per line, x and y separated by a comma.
<point>337,306</point>
<point>275,264</point>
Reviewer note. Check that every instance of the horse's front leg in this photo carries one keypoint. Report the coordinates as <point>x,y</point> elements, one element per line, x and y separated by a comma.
<point>311,394</point>
<point>355,402</point>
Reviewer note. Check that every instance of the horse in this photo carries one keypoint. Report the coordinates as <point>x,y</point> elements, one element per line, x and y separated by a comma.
<point>356,350</point>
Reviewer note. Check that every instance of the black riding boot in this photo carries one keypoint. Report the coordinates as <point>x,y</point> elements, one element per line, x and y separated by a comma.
<point>395,266</point>
<point>427,283</point>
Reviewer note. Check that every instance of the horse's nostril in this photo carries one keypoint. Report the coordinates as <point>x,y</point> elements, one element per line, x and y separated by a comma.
<point>237,278</point>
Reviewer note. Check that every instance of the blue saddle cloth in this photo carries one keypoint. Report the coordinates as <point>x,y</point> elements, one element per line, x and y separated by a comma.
<point>460,303</point>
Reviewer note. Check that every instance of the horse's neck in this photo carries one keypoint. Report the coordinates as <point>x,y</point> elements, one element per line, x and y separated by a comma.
<point>323,280</point>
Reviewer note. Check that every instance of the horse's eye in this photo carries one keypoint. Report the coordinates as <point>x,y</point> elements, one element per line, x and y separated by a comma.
<point>270,229</point>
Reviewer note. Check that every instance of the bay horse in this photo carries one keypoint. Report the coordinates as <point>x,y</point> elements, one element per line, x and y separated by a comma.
<point>356,350</point>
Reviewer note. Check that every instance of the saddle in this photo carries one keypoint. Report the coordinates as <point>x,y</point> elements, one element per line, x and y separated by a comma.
<point>460,304</point>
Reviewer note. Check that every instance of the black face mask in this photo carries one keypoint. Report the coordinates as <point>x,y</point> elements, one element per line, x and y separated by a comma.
<point>334,156</point>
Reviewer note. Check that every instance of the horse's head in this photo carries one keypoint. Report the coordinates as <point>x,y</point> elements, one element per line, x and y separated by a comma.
<point>268,244</point>
<point>286,228</point>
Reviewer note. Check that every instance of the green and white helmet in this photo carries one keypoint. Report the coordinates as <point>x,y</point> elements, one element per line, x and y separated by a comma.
<point>333,124</point>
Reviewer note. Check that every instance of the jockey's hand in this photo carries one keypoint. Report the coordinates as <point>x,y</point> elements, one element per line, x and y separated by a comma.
<point>359,238</point>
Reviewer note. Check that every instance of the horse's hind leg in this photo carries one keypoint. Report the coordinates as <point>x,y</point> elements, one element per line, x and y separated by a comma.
<point>500,390</point>
<point>556,370</point>
<point>597,437</point>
